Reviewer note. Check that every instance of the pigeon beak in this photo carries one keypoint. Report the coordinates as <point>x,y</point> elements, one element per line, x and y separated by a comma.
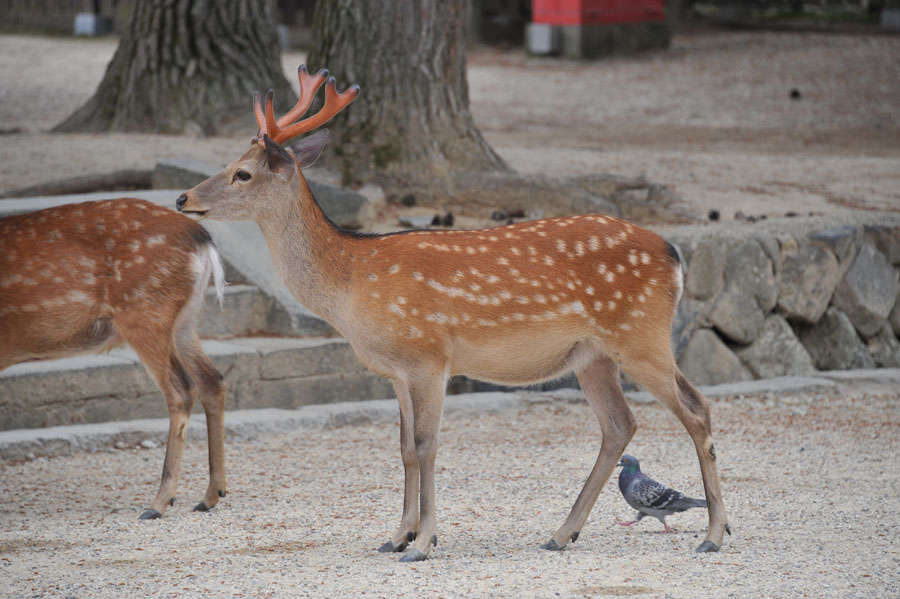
<point>620,464</point>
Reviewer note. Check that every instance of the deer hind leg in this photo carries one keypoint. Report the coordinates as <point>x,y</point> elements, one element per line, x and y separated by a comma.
<point>427,399</point>
<point>600,382</point>
<point>662,378</point>
<point>211,391</point>
<point>409,521</point>
<point>155,346</point>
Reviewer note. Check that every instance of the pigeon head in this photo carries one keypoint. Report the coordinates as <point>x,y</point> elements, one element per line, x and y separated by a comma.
<point>630,463</point>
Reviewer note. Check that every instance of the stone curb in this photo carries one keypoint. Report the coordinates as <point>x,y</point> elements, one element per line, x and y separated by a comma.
<point>248,424</point>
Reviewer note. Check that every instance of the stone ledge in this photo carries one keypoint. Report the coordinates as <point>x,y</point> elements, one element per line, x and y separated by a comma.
<point>248,424</point>
<point>259,372</point>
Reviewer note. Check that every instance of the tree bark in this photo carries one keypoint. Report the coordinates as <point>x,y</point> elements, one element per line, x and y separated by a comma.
<point>184,64</point>
<point>411,122</point>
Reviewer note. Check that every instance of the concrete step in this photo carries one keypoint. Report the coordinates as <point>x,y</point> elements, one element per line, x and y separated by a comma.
<point>245,310</point>
<point>261,372</point>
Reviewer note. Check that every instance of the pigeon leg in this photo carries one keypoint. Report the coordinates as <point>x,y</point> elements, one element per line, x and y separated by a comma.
<point>666,531</point>
<point>600,382</point>
<point>638,517</point>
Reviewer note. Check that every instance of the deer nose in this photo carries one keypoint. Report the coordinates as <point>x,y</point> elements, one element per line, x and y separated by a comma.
<point>179,203</point>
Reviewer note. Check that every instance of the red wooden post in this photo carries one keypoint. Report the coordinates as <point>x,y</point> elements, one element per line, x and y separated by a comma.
<point>591,28</point>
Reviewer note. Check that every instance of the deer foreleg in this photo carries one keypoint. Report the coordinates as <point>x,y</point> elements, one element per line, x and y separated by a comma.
<point>427,396</point>
<point>409,521</point>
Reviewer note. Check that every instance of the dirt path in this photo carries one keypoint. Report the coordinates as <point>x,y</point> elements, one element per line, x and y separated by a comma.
<point>810,482</point>
<point>712,117</point>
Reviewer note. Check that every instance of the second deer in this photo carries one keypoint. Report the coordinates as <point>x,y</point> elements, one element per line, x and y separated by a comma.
<point>515,305</point>
<point>87,277</point>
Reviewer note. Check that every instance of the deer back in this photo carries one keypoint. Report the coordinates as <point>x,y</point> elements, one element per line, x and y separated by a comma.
<point>70,274</point>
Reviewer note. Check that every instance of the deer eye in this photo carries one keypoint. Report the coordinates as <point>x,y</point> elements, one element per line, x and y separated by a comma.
<point>242,175</point>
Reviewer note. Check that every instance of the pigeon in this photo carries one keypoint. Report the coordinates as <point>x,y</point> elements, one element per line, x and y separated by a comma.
<point>649,497</point>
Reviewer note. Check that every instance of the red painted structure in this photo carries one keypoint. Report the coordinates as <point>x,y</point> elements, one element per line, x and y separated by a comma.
<point>596,12</point>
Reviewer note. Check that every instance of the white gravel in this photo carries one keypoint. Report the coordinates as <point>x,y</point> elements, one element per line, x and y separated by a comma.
<point>810,482</point>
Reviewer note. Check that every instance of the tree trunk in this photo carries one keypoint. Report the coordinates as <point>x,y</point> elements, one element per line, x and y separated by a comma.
<point>411,123</point>
<point>185,64</point>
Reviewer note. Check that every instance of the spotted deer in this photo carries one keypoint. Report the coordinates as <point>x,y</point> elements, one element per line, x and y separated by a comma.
<point>515,305</point>
<point>86,277</point>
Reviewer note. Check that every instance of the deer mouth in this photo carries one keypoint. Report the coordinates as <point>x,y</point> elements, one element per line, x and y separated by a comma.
<point>181,206</point>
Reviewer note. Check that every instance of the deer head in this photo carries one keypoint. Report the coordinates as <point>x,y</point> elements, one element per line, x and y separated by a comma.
<point>249,187</point>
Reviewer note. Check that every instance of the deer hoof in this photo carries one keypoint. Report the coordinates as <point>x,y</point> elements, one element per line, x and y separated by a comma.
<point>707,547</point>
<point>150,514</point>
<point>551,545</point>
<point>389,547</point>
<point>201,507</point>
<point>413,555</point>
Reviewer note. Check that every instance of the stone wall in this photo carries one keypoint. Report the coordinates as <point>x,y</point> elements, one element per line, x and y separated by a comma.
<point>788,297</point>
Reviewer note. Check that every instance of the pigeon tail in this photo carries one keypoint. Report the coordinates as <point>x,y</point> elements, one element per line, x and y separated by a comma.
<point>686,503</point>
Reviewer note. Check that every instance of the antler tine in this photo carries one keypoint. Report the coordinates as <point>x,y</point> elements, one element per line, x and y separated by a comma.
<point>271,126</point>
<point>260,117</point>
<point>334,103</point>
<point>309,85</point>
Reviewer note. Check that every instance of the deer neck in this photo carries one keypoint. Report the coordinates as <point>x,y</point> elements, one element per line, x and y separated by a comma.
<point>309,253</point>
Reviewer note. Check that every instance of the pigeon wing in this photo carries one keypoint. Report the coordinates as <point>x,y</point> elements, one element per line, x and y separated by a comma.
<point>644,494</point>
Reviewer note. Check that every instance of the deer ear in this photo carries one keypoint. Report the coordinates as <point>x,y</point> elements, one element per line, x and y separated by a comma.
<point>280,160</point>
<point>308,149</point>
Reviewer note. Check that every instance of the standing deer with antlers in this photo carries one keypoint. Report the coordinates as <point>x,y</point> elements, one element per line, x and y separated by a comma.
<point>83,278</point>
<point>514,305</point>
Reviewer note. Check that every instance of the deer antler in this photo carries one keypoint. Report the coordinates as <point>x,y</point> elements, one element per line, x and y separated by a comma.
<point>282,130</point>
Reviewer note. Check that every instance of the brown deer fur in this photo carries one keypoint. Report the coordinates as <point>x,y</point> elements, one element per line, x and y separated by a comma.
<point>517,304</point>
<point>86,277</point>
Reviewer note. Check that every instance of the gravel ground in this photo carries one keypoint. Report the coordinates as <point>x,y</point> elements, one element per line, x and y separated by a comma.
<point>711,117</point>
<point>810,481</point>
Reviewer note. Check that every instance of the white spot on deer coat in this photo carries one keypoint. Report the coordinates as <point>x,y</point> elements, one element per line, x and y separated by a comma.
<point>81,297</point>
<point>438,317</point>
